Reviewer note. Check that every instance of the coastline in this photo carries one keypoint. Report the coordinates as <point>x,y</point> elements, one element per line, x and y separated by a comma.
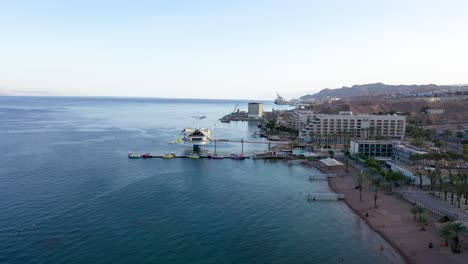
<point>356,212</point>
<point>393,221</point>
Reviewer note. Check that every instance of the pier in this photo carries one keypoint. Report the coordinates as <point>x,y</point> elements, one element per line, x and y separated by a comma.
<point>330,196</point>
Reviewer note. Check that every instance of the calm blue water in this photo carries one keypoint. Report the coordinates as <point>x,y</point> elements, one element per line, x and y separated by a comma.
<point>68,193</point>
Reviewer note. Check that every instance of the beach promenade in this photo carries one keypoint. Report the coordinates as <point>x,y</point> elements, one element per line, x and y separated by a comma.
<point>393,220</point>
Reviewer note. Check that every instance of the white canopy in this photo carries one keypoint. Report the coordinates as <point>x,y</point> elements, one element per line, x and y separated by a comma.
<point>331,162</point>
<point>309,154</point>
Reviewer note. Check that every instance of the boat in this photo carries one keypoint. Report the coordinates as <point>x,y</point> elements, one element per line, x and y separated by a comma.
<point>168,155</point>
<point>193,156</point>
<point>176,141</point>
<point>216,156</point>
<point>134,155</point>
<point>237,157</point>
<point>197,137</point>
<point>146,156</point>
<point>280,100</point>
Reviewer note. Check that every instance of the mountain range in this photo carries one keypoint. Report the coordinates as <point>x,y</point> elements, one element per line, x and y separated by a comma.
<point>372,89</point>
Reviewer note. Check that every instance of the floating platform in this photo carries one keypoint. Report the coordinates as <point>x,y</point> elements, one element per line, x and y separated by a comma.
<point>314,177</point>
<point>157,156</point>
<point>331,196</point>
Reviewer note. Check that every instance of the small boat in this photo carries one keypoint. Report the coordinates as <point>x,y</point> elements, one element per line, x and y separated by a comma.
<point>216,156</point>
<point>146,156</point>
<point>134,155</point>
<point>193,156</point>
<point>237,157</point>
<point>176,141</point>
<point>169,156</point>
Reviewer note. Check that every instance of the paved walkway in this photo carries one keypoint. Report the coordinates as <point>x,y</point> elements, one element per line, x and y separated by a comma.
<point>433,203</point>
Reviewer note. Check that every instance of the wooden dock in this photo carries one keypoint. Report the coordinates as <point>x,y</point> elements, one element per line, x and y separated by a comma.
<point>329,196</point>
<point>314,177</point>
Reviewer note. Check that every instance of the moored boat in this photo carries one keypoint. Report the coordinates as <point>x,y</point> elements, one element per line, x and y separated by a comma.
<point>146,156</point>
<point>216,156</point>
<point>193,156</point>
<point>134,155</point>
<point>176,141</point>
<point>169,156</point>
<point>237,157</point>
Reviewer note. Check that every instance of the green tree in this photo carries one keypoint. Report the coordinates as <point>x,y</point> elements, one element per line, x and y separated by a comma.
<point>360,180</point>
<point>439,144</point>
<point>372,163</point>
<point>418,142</point>
<point>331,153</point>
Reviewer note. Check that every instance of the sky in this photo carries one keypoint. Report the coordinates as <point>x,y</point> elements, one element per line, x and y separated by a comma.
<point>227,49</point>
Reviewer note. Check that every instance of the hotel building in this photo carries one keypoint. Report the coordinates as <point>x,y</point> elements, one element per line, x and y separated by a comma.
<point>362,126</point>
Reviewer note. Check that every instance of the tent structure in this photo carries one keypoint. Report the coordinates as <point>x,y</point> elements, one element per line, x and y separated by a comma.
<point>329,162</point>
<point>309,154</point>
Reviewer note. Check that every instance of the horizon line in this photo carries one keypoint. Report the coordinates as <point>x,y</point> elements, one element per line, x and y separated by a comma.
<point>134,97</point>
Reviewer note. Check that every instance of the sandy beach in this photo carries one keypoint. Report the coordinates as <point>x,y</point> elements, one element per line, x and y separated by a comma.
<point>394,221</point>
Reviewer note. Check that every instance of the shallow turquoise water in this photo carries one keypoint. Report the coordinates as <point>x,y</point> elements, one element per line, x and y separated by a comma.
<point>70,195</point>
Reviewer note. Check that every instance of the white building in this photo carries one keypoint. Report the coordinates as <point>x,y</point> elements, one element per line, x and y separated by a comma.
<point>299,119</point>
<point>372,148</point>
<point>362,126</point>
<point>435,111</point>
<point>255,109</point>
<point>403,153</point>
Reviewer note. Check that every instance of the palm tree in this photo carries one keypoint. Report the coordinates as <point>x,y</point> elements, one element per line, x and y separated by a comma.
<point>459,187</point>
<point>418,212</point>
<point>376,184</point>
<point>419,174</point>
<point>452,230</point>
<point>433,174</point>
<point>447,134</point>
<point>360,180</point>
<point>347,165</point>
<point>446,233</point>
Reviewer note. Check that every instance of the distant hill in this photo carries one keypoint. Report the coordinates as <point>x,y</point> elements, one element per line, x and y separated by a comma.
<point>372,89</point>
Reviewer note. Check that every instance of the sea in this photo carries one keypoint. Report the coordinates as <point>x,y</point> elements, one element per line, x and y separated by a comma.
<point>70,194</point>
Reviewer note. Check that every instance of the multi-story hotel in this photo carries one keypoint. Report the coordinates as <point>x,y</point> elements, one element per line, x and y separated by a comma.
<point>362,126</point>
<point>372,148</point>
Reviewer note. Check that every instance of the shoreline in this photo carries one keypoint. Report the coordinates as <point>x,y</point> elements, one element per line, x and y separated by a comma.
<point>393,221</point>
<point>356,212</point>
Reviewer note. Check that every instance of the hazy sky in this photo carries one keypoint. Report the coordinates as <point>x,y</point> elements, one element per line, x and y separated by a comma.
<point>228,49</point>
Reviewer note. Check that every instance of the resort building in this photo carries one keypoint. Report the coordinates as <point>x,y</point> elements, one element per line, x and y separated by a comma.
<point>362,126</point>
<point>403,153</point>
<point>434,111</point>
<point>255,109</point>
<point>372,148</point>
<point>299,119</point>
